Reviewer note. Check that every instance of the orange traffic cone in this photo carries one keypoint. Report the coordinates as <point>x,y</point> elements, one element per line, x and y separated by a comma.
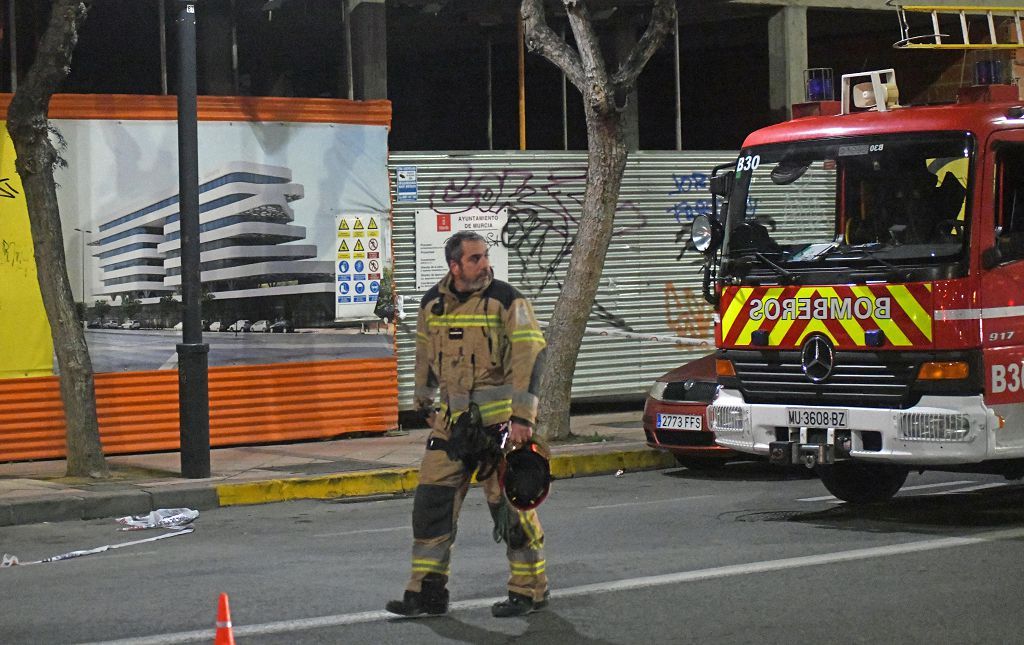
<point>224,634</point>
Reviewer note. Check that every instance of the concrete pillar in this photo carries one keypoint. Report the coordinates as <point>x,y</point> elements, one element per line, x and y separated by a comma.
<point>787,60</point>
<point>369,47</point>
<point>215,49</point>
<point>625,39</point>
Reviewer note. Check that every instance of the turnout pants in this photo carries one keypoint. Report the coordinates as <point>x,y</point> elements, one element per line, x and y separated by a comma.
<point>442,488</point>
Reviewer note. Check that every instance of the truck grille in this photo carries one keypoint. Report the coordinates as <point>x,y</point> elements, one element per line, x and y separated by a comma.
<point>863,379</point>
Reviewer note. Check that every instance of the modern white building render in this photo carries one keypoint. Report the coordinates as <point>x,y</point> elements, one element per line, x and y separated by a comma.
<point>247,239</point>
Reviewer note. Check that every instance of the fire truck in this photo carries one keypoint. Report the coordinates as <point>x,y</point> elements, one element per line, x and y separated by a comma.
<point>867,269</point>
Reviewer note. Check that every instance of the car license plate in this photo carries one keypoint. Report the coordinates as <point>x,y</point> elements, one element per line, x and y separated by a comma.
<point>817,417</point>
<point>679,421</point>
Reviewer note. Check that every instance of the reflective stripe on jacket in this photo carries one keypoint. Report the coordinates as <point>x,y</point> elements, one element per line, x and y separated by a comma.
<point>483,346</point>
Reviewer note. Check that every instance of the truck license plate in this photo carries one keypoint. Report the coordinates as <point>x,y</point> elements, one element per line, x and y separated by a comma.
<point>679,421</point>
<point>817,418</point>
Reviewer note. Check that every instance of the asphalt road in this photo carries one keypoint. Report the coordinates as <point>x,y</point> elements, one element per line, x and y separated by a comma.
<point>116,350</point>
<point>742,556</point>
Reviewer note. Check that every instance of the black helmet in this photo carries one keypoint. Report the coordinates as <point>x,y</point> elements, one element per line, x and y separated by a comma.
<point>526,478</point>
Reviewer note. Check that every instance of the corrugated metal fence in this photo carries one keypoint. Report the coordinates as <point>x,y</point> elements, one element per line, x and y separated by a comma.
<point>645,291</point>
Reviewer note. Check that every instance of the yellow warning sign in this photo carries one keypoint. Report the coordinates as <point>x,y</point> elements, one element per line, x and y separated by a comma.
<point>343,246</point>
<point>358,226</point>
<point>343,226</point>
<point>359,245</point>
<point>373,224</point>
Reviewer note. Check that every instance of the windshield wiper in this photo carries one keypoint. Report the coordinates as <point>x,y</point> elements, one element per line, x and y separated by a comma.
<point>862,253</point>
<point>778,270</point>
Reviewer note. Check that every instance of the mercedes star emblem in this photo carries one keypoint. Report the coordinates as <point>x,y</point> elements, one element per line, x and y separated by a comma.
<point>817,358</point>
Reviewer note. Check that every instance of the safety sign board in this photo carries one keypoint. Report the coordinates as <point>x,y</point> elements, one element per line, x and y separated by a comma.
<point>359,266</point>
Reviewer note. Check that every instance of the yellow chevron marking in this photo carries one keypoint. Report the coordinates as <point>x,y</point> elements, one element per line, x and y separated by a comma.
<point>816,326</point>
<point>913,308</point>
<point>782,326</point>
<point>740,299</point>
<point>892,331</point>
<point>744,337</point>
<point>850,325</point>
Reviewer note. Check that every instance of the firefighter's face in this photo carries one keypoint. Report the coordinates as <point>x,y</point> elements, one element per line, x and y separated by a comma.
<point>473,270</point>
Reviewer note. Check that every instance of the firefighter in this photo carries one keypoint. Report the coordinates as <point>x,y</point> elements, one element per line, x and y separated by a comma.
<point>478,354</point>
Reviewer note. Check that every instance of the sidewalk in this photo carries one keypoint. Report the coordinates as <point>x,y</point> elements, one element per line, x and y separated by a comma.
<point>379,465</point>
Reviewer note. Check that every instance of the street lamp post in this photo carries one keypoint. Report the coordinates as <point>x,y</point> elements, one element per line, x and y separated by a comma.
<point>84,232</point>
<point>193,387</point>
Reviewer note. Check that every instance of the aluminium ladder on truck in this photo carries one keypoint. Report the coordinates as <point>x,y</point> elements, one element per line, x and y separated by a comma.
<point>1001,21</point>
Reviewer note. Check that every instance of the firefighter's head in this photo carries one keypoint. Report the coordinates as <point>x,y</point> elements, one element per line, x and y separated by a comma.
<point>466,255</point>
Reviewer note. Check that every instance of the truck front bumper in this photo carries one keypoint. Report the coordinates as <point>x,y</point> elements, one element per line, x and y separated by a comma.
<point>944,430</point>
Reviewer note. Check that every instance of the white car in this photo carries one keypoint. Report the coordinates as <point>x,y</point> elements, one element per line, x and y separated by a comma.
<point>179,326</point>
<point>216,325</point>
<point>260,326</point>
<point>240,325</point>
<point>131,324</point>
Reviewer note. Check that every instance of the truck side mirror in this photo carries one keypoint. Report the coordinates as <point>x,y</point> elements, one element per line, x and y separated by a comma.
<point>721,185</point>
<point>991,257</point>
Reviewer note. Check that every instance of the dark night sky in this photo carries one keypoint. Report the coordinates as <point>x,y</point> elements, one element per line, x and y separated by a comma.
<point>437,74</point>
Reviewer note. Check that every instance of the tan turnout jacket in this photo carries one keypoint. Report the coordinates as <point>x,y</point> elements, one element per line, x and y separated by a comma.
<point>482,347</point>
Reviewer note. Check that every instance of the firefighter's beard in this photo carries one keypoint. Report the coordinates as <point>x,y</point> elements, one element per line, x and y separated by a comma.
<point>480,281</point>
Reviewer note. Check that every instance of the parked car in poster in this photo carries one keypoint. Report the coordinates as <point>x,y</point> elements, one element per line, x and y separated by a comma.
<point>240,325</point>
<point>281,326</point>
<point>261,326</point>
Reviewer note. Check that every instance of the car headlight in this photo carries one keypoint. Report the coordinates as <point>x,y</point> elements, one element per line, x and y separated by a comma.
<point>658,390</point>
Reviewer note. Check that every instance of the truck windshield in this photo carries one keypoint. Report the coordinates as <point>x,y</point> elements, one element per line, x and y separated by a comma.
<point>871,208</point>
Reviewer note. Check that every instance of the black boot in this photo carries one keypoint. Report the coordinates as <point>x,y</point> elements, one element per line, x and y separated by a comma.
<point>518,605</point>
<point>432,600</point>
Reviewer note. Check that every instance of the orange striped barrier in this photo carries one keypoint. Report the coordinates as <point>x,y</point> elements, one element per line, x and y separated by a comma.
<point>138,411</point>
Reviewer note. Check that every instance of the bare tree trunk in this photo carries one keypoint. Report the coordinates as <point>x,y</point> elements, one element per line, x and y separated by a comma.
<point>606,162</point>
<point>604,94</point>
<point>30,130</point>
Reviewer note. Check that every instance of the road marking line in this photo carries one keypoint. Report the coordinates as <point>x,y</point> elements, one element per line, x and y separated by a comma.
<point>653,501</point>
<point>393,528</point>
<point>825,498</point>
<point>338,620</point>
<point>969,488</point>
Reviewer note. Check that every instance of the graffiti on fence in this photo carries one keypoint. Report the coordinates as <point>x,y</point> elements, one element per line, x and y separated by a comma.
<point>543,214</point>
<point>689,190</point>
<point>686,312</point>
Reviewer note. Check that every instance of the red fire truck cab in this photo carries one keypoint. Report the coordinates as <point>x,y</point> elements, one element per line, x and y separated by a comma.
<point>868,273</point>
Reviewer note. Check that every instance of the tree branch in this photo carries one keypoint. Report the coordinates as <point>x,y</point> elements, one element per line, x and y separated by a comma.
<point>56,47</point>
<point>662,22</point>
<point>598,94</point>
<point>541,39</point>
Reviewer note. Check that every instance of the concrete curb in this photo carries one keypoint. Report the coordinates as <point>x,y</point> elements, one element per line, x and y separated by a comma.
<point>393,481</point>
<point>353,485</point>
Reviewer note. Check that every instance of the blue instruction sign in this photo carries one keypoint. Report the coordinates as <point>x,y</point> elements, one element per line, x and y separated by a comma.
<point>406,185</point>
